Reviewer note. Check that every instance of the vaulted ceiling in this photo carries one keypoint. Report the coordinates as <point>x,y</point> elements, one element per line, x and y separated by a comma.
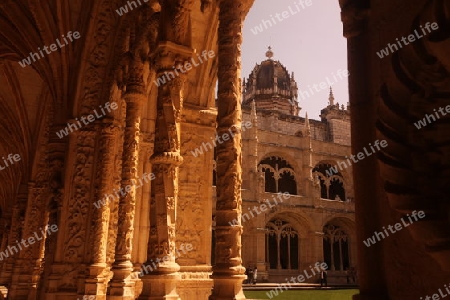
<point>60,84</point>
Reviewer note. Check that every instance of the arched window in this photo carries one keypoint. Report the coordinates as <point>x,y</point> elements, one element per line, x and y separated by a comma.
<point>335,248</point>
<point>331,182</point>
<point>281,245</point>
<point>279,175</point>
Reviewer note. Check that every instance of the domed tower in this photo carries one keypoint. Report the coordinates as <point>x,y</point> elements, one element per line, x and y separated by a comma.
<point>271,87</point>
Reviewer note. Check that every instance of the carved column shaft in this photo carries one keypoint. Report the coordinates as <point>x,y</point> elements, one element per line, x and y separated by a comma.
<point>76,205</point>
<point>228,272</point>
<point>123,266</point>
<point>129,175</point>
<point>28,265</point>
<point>107,142</point>
<point>166,161</point>
<point>14,233</point>
<point>96,281</point>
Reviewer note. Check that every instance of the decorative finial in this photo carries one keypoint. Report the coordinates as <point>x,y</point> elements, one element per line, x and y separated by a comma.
<point>308,127</point>
<point>331,97</point>
<point>269,53</point>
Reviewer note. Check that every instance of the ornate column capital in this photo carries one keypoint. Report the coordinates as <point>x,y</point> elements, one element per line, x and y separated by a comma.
<point>169,54</point>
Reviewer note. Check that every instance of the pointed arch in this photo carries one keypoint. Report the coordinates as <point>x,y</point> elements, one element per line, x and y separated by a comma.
<point>279,175</point>
<point>332,186</point>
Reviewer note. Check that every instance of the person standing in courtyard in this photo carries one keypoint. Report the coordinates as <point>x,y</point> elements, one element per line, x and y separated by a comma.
<point>250,276</point>
<point>323,278</point>
<point>255,275</point>
<point>353,274</point>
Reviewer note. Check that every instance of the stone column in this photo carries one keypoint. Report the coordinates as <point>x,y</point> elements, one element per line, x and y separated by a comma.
<point>161,269</point>
<point>83,229</point>
<point>27,269</point>
<point>228,273</point>
<point>371,274</point>
<point>95,280</point>
<point>317,239</point>
<point>15,231</point>
<point>195,203</point>
<point>123,285</point>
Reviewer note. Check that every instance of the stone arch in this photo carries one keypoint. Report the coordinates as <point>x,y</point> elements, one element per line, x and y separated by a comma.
<point>304,225</point>
<point>343,219</point>
<point>283,154</point>
<point>282,244</point>
<point>344,172</point>
<point>333,186</point>
<point>339,243</point>
<point>279,175</point>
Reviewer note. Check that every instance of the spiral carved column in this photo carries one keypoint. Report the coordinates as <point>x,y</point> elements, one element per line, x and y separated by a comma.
<point>228,273</point>
<point>123,286</point>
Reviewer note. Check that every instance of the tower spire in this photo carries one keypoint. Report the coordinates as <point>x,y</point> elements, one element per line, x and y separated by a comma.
<point>269,53</point>
<point>331,97</point>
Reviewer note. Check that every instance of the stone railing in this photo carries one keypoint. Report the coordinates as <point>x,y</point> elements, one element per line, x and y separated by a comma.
<point>346,206</point>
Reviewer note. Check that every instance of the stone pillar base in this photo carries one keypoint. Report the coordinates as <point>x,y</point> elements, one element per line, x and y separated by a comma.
<point>123,290</point>
<point>228,287</point>
<point>123,284</point>
<point>96,282</point>
<point>160,287</point>
<point>195,283</point>
<point>23,285</point>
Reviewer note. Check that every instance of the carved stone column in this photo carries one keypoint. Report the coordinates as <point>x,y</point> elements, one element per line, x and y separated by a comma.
<point>228,273</point>
<point>96,278</point>
<point>15,232</point>
<point>27,269</point>
<point>80,266</point>
<point>122,285</point>
<point>163,270</point>
<point>194,204</point>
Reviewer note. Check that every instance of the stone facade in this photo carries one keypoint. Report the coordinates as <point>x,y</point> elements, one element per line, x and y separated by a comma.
<point>283,152</point>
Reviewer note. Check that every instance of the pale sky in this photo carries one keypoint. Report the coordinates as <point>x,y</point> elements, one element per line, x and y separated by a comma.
<point>308,41</point>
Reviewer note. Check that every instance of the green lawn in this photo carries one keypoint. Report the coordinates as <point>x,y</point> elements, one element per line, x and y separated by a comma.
<point>304,295</point>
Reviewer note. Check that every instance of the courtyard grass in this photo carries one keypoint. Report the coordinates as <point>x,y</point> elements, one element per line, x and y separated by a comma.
<point>304,295</point>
